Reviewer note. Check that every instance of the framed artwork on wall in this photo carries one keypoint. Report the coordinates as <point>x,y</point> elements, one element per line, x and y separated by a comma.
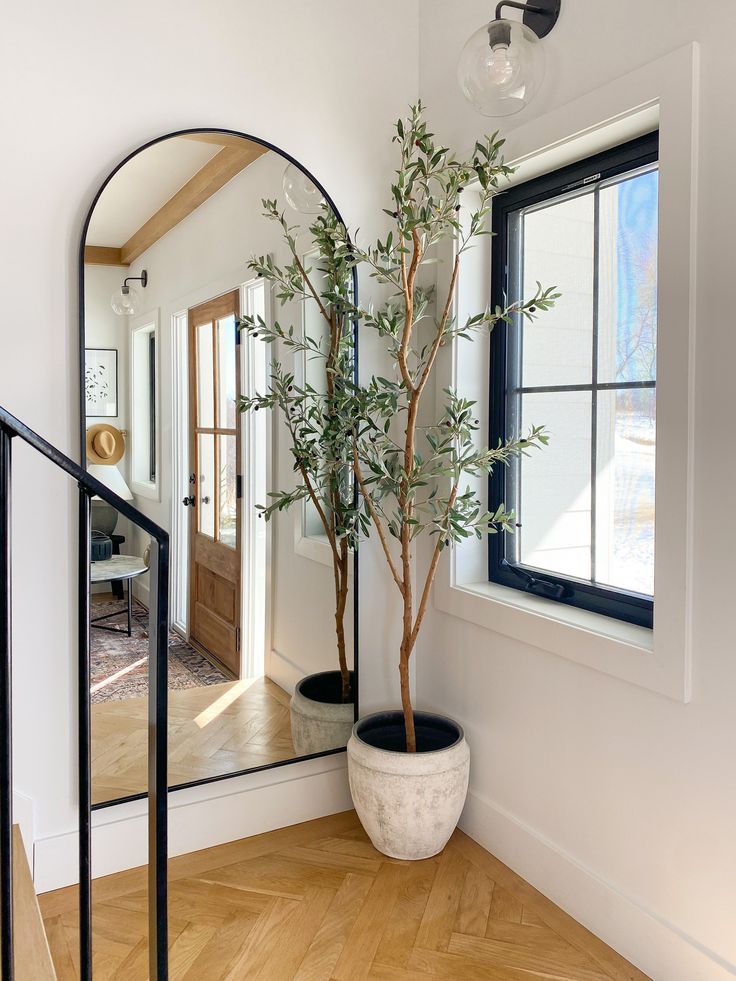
<point>101,381</point>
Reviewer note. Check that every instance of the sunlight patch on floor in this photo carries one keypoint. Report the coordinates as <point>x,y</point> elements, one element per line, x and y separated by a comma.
<point>223,702</point>
<point>118,674</point>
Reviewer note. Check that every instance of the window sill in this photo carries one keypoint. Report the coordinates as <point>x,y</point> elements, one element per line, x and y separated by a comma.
<point>607,629</point>
<point>314,547</point>
<point>622,650</point>
<point>144,488</point>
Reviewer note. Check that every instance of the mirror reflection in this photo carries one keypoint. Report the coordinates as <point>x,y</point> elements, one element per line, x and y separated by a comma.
<point>179,376</point>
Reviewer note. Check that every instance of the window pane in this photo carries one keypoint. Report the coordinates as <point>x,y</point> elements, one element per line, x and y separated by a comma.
<point>557,243</point>
<point>627,306</point>
<point>553,492</point>
<point>205,379</point>
<point>228,502</point>
<point>625,489</point>
<point>226,352</point>
<point>205,503</point>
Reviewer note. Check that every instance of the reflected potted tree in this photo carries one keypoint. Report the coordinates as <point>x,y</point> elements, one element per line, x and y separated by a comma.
<point>409,770</point>
<point>319,431</point>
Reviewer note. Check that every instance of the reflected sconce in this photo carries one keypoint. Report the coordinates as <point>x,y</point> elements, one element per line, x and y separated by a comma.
<point>127,300</point>
<point>301,193</point>
<point>501,66</point>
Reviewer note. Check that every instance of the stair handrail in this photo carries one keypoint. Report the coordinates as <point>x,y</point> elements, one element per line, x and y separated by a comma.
<point>89,487</point>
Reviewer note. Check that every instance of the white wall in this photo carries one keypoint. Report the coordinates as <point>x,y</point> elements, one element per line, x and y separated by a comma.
<point>107,330</point>
<point>616,801</point>
<point>88,88</point>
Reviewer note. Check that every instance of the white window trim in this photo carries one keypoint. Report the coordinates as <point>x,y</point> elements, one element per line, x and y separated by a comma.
<point>150,489</point>
<point>309,546</point>
<point>663,93</point>
<point>256,433</point>
<point>179,468</point>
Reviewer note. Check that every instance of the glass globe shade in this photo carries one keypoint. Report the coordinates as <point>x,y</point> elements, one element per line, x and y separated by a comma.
<point>300,192</point>
<point>125,301</point>
<point>501,68</point>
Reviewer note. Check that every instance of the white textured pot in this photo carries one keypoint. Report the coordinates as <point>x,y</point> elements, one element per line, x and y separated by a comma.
<point>408,803</point>
<point>319,719</point>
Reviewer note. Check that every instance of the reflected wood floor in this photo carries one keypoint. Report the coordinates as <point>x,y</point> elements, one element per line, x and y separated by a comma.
<point>316,902</point>
<point>212,730</point>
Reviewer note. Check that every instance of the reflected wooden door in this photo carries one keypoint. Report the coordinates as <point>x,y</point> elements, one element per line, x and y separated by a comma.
<point>214,454</point>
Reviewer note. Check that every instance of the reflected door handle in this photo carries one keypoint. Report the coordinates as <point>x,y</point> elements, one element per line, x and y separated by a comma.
<point>189,501</point>
<point>205,500</point>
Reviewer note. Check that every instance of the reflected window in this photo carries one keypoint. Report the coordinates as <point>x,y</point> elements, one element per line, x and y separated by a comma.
<point>586,370</point>
<point>144,403</point>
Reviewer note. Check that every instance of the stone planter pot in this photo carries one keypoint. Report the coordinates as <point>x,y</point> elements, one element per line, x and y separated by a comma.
<point>408,803</point>
<point>319,719</point>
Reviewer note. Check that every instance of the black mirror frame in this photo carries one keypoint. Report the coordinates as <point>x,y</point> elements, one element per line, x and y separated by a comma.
<point>83,429</point>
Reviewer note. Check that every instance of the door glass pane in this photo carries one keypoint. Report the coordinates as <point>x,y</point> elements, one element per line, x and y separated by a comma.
<point>627,303</point>
<point>557,245</point>
<point>226,353</point>
<point>205,492</point>
<point>205,378</point>
<point>625,489</point>
<point>553,493</point>
<point>228,490</point>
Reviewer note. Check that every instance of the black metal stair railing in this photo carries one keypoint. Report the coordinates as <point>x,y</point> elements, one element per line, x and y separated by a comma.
<point>10,428</point>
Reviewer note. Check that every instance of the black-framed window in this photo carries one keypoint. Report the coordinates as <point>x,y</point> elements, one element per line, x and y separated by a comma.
<point>586,370</point>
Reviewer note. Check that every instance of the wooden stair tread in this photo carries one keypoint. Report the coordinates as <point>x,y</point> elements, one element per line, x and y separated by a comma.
<point>32,954</point>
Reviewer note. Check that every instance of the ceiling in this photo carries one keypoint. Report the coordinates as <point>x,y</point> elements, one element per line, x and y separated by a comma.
<point>143,185</point>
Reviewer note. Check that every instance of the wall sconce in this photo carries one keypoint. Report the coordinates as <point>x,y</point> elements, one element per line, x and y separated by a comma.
<point>126,300</point>
<point>502,65</point>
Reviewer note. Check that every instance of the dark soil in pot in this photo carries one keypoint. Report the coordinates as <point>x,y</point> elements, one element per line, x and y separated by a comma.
<point>326,686</point>
<point>386,730</point>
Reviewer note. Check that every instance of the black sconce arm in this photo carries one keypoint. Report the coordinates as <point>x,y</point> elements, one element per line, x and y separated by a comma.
<point>540,17</point>
<point>142,279</point>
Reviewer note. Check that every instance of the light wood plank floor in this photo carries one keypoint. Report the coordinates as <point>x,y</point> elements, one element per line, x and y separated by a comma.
<point>212,730</point>
<point>316,902</point>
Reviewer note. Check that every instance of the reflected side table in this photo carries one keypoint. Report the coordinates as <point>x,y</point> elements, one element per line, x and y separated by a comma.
<point>118,569</point>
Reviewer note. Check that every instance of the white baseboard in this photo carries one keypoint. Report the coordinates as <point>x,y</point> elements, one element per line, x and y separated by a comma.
<point>284,672</point>
<point>142,592</point>
<point>200,818</point>
<point>648,940</point>
<point>23,817</point>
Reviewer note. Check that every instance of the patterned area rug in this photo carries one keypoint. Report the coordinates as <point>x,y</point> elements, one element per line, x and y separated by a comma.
<point>120,663</point>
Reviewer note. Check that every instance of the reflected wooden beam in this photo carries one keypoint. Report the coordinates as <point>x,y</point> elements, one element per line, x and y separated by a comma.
<point>218,139</point>
<point>103,255</point>
<point>214,175</point>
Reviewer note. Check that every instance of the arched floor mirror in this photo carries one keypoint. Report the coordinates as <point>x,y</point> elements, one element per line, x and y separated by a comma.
<point>165,284</point>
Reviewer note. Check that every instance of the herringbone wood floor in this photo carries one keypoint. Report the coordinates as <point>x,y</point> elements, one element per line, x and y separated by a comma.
<point>213,730</point>
<point>316,902</point>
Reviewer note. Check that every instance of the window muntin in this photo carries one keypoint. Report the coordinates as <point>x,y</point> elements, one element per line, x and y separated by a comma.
<point>587,371</point>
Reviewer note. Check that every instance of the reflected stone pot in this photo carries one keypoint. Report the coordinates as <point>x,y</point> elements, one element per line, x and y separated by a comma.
<point>408,803</point>
<point>104,517</point>
<point>320,720</point>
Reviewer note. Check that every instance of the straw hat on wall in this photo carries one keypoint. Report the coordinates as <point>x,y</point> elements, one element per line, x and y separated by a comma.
<point>105,444</point>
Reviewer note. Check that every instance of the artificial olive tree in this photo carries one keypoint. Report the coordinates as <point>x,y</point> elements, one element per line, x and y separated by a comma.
<point>411,471</point>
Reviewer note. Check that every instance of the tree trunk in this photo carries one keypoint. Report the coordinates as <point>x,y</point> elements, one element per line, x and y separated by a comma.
<point>411,738</point>
<point>340,606</point>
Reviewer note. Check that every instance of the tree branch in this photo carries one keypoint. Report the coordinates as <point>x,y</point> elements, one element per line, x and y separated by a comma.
<point>376,519</point>
<point>431,574</point>
<point>441,326</point>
